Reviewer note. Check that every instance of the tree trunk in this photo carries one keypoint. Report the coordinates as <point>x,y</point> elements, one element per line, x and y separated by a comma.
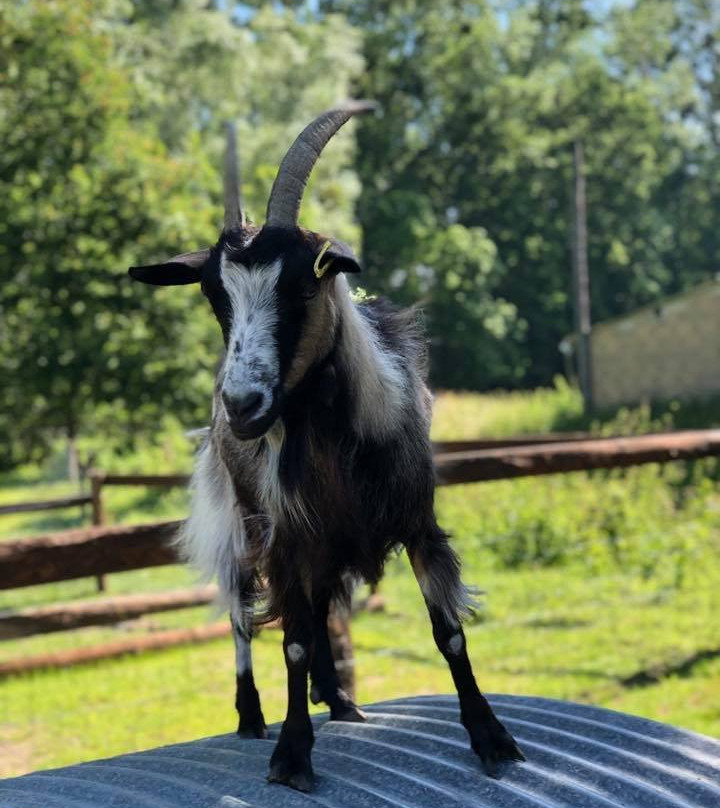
<point>73,463</point>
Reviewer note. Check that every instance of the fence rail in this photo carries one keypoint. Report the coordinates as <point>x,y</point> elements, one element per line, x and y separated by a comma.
<point>586,455</point>
<point>45,504</point>
<point>103,549</point>
<point>98,611</point>
<point>477,444</point>
<point>151,480</point>
<point>98,550</point>
<point>131,645</point>
<point>85,552</point>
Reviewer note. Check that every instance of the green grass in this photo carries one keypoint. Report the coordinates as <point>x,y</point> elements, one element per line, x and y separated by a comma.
<point>555,632</point>
<point>463,416</point>
<point>601,588</point>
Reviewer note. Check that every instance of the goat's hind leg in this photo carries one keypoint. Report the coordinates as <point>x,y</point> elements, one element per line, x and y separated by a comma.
<point>326,684</point>
<point>437,570</point>
<point>247,701</point>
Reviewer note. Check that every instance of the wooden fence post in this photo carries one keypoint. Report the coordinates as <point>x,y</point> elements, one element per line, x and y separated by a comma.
<point>98,515</point>
<point>581,279</point>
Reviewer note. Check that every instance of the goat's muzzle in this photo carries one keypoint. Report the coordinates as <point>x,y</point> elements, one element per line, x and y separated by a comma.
<point>248,413</point>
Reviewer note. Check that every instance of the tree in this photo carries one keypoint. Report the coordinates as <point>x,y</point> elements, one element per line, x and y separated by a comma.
<point>670,49</point>
<point>83,194</point>
<point>481,111</point>
<point>192,67</point>
<point>111,116</point>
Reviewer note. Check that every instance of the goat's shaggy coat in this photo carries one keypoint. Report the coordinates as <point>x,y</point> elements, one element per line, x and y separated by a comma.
<point>318,463</point>
<point>346,474</point>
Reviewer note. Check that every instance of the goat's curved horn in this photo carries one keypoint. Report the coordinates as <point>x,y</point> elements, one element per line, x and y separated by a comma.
<point>287,191</point>
<point>234,215</point>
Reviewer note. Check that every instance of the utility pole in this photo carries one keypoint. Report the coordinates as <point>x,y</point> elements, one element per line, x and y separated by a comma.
<point>581,279</point>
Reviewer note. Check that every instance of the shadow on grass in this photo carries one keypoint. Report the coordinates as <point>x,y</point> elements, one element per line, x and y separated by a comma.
<point>432,658</point>
<point>582,672</point>
<point>645,677</point>
<point>34,525</point>
<point>556,622</point>
<point>50,524</point>
<point>683,668</point>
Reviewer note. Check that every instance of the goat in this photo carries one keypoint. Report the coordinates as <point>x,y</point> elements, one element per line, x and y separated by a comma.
<point>318,461</point>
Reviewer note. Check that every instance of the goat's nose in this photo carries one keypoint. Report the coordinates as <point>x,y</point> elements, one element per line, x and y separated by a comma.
<point>242,408</point>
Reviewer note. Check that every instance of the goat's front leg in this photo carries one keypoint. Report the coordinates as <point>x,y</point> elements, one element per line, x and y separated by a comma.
<point>437,570</point>
<point>247,701</point>
<point>290,762</point>
<point>323,673</point>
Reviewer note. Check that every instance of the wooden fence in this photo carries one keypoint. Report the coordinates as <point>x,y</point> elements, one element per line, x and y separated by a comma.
<point>46,504</point>
<point>103,549</point>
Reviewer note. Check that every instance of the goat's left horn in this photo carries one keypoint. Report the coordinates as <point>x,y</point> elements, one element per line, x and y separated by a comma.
<point>287,191</point>
<point>234,215</point>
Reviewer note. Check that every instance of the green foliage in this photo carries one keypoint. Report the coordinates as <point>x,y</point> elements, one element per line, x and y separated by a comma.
<point>84,193</point>
<point>482,107</point>
<point>645,522</point>
<point>464,416</point>
<point>111,112</point>
<point>655,522</point>
<point>192,67</point>
<point>110,116</point>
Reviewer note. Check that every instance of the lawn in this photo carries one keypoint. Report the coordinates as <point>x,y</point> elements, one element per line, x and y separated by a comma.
<point>600,588</point>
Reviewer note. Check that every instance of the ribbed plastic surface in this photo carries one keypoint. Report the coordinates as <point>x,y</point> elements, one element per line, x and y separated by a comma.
<point>412,752</point>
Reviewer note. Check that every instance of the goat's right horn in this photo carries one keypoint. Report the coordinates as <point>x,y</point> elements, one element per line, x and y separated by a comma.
<point>287,191</point>
<point>234,215</point>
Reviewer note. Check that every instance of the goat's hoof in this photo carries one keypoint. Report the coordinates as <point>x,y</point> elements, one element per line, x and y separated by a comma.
<point>255,730</point>
<point>493,744</point>
<point>290,763</point>
<point>295,773</point>
<point>348,712</point>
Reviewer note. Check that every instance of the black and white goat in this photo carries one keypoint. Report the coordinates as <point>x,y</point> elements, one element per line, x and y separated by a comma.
<point>318,461</point>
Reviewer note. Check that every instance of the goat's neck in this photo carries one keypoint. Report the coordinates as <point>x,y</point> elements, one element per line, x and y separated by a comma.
<point>377,384</point>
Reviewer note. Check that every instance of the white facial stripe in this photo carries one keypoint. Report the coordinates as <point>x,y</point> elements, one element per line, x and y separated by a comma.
<point>251,363</point>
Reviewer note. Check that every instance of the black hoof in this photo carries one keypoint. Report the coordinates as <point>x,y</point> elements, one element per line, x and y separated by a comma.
<point>290,762</point>
<point>297,774</point>
<point>342,707</point>
<point>493,744</point>
<point>348,712</point>
<point>256,730</point>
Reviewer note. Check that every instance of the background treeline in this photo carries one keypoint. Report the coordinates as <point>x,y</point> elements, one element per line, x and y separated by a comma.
<point>457,192</point>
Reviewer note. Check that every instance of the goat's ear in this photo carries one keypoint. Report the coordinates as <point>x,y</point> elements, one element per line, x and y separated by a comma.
<point>177,271</point>
<point>334,258</point>
<point>342,263</point>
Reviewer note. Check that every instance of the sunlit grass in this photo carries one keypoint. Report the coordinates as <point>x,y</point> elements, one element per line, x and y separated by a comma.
<point>558,633</point>
<point>464,416</point>
<point>588,580</point>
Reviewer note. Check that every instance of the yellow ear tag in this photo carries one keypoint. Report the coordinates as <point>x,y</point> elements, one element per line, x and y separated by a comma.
<point>321,270</point>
